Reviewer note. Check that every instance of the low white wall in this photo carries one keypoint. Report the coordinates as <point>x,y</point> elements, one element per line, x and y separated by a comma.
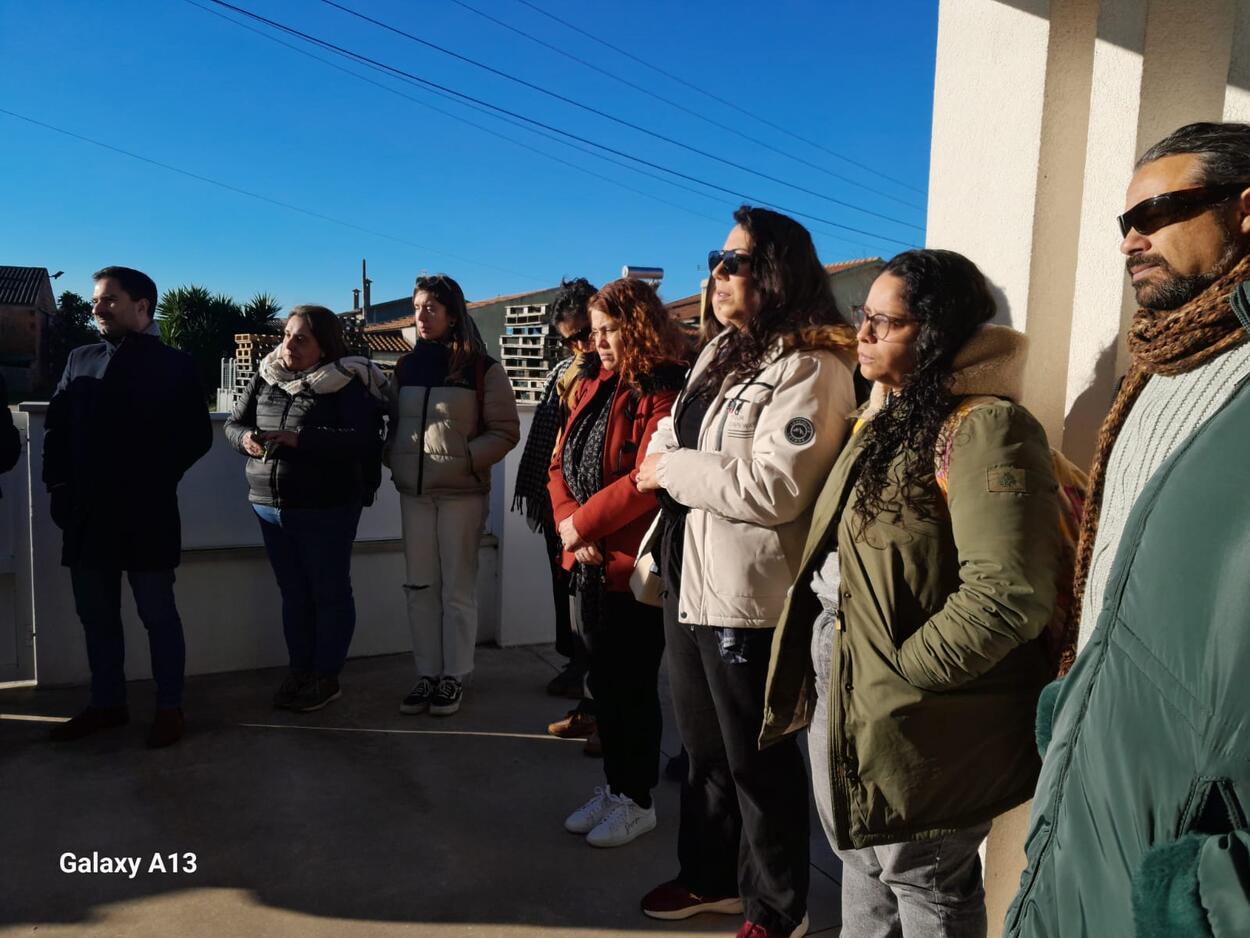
<point>226,593</point>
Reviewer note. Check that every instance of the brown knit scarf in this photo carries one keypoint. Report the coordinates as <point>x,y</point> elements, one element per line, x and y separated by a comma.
<point>1161,343</point>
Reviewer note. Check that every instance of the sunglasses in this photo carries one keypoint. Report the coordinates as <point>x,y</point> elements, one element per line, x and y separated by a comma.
<point>576,338</point>
<point>1149,215</point>
<point>732,260</point>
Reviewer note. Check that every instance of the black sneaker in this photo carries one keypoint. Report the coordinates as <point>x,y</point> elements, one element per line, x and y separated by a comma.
<point>316,693</point>
<point>418,699</point>
<point>286,693</point>
<point>446,700</point>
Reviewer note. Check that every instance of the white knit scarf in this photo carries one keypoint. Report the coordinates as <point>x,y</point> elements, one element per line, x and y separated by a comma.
<point>327,378</point>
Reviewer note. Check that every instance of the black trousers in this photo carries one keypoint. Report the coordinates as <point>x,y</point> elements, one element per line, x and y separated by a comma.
<point>568,641</point>
<point>625,647</point>
<point>744,812</point>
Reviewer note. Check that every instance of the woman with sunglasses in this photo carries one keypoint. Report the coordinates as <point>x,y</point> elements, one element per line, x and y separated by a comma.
<point>601,516</point>
<point>454,417</point>
<point>569,320</point>
<point>738,465</point>
<point>910,640</point>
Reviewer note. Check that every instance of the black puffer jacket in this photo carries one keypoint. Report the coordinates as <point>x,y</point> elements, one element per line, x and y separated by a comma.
<point>338,433</point>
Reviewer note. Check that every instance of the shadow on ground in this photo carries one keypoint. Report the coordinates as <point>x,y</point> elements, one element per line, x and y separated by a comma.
<point>352,820</point>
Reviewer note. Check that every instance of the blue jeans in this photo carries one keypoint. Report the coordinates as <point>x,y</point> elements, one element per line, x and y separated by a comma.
<point>98,599</point>
<point>310,550</point>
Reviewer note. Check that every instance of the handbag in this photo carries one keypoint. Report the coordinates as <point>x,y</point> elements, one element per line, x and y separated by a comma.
<point>645,582</point>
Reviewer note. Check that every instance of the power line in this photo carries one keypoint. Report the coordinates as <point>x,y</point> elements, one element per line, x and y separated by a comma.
<point>358,57</point>
<point>681,107</point>
<point>256,195</point>
<point>612,117</point>
<point>484,129</point>
<point>580,149</point>
<point>718,99</point>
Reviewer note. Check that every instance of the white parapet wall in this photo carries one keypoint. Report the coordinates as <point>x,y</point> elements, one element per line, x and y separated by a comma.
<point>226,593</point>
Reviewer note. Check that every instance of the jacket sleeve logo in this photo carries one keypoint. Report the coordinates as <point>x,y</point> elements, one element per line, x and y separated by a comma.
<point>1007,479</point>
<point>800,431</point>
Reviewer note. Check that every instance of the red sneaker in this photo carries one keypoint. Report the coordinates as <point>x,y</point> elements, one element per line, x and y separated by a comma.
<point>752,930</point>
<point>672,901</point>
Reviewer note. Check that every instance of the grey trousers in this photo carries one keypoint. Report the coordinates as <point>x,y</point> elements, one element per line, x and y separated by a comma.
<point>931,889</point>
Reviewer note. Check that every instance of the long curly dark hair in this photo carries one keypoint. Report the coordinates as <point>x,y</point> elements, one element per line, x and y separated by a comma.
<point>950,299</point>
<point>793,289</point>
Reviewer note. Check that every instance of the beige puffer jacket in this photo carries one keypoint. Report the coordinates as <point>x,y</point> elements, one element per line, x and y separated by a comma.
<point>765,447</point>
<point>437,444</point>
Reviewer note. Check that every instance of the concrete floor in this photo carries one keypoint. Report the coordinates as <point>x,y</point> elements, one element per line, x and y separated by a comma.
<point>352,821</point>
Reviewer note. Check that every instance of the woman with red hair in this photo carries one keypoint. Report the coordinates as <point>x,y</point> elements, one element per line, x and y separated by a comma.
<point>602,517</point>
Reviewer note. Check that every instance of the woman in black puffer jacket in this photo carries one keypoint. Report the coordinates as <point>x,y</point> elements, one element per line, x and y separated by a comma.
<point>310,421</point>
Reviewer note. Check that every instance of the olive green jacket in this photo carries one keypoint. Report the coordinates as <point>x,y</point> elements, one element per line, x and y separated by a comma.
<point>935,670</point>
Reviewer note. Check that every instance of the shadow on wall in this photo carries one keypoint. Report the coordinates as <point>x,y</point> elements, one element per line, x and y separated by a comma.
<point>1084,419</point>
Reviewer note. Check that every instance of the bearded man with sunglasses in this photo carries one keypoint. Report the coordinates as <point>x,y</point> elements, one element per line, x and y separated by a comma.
<point>1140,814</point>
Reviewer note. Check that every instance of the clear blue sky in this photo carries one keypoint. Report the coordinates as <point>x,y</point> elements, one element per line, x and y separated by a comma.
<point>174,84</point>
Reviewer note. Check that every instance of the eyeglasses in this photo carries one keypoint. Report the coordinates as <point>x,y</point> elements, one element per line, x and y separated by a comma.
<point>577,338</point>
<point>603,333</point>
<point>731,259</point>
<point>1149,215</point>
<point>881,323</point>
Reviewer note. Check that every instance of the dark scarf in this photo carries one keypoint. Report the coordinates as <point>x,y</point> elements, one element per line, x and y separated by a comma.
<point>582,465</point>
<point>530,494</point>
<point>1170,342</point>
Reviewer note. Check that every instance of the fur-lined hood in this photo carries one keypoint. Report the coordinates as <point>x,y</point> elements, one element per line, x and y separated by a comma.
<point>990,363</point>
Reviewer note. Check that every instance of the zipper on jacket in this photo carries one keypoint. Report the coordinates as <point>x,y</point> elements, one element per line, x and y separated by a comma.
<point>425,412</point>
<point>843,768</point>
<point>273,473</point>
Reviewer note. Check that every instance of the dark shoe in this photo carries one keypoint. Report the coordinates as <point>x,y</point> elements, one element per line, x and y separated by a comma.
<point>575,725</point>
<point>594,746</point>
<point>90,721</point>
<point>316,693</point>
<point>418,699</point>
<point>166,728</point>
<point>752,930</point>
<point>446,699</point>
<point>672,901</point>
<point>285,695</point>
<point>571,682</point>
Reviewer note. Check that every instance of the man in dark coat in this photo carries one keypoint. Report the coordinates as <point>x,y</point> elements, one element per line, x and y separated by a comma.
<point>128,419</point>
<point>10,439</point>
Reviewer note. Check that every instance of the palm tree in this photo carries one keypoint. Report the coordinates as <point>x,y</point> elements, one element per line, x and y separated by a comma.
<point>203,325</point>
<point>260,314</point>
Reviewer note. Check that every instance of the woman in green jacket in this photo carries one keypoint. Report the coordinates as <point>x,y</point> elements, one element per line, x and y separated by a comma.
<point>909,638</point>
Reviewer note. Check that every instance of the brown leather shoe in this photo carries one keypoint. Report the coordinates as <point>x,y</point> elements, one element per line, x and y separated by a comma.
<point>166,728</point>
<point>594,746</point>
<point>91,720</point>
<point>575,725</point>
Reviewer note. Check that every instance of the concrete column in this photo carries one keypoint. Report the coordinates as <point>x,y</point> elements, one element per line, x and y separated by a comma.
<point>1156,66</point>
<point>1237,98</point>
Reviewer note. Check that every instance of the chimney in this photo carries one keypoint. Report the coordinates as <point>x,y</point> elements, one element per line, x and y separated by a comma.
<point>355,299</point>
<point>364,283</point>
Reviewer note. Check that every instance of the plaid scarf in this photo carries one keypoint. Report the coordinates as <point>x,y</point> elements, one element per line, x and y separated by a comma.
<point>1169,342</point>
<point>582,466</point>
<point>530,494</point>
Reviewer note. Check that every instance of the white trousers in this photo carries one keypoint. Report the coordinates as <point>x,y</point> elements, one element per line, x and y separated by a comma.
<point>442,534</point>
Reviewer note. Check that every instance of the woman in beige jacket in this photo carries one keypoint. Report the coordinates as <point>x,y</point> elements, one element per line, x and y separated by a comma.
<point>738,465</point>
<point>454,417</point>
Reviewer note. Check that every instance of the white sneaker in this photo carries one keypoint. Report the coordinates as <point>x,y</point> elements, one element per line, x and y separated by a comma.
<point>584,819</point>
<point>623,823</point>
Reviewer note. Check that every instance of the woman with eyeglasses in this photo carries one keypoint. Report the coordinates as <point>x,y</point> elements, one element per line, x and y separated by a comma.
<point>601,516</point>
<point>454,417</point>
<point>910,640</point>
<point>738,465</point>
